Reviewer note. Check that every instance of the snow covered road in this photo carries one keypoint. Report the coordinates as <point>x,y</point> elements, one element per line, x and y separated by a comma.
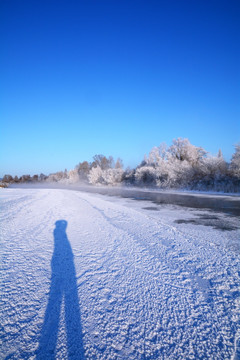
<point>83,277</point>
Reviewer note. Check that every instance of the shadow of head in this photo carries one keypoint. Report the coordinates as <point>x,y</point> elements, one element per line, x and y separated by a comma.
<point>61,225</point>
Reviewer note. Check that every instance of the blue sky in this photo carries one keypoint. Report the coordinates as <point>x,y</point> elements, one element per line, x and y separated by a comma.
<point>80,78</point>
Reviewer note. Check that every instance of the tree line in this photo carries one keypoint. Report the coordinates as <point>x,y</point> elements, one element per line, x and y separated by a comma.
<point>180,166</point>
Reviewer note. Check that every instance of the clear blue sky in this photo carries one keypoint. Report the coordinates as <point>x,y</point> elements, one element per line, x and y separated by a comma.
<point>80,78</point>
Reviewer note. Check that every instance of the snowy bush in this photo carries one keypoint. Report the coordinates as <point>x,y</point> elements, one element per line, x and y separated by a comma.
<point>146,175</point>
<point>73,176</point>
<point>95,175</point>
<point>105,177</point>
<point>112,176</point>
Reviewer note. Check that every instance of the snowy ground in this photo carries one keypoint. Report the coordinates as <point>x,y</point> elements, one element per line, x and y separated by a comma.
<point>85,276</point>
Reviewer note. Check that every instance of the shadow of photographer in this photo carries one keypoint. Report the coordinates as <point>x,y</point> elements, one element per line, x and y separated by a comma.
<point>63,289</point>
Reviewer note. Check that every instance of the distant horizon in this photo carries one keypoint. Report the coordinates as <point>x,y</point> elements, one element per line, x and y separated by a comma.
<point>80,78</point>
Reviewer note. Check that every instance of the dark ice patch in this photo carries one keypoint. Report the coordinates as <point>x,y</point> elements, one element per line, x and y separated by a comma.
<point>151,208</point>
<point>209,220</point>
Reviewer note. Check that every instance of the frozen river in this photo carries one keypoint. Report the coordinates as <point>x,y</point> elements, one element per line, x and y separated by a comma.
<point>229,204</point>
<point>90,276</point>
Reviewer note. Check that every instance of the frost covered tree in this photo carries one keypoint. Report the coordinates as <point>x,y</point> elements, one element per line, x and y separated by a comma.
<point>104,172</point>
<point>25,178</point>
<point>7,178</point>
<point>119,164</point>
<point>145,175</point>
<point>95,175</point>
<point>73,176</point>
<point>154,168</point>
<point>112,176</point>
<point>173,166</point>
<point>212,167</point>
<point>158,155</point>
<point>105,177</point>
<point>42,177</point>
<point>235,162</point>
<point>35,178</point>
<point>182,149</point>
<point>129,176</point>
<point>51,178</point>
<point>220,155</point>
<point>83,170</point>
<point>181,165</point>
<point>103,162</point>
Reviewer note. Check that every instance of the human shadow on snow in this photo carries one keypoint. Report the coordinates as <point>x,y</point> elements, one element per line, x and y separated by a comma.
<point>63,289</point>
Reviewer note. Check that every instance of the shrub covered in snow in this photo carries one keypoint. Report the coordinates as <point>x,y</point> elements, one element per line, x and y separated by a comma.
<point>95,175</point>
<point>106,177</point>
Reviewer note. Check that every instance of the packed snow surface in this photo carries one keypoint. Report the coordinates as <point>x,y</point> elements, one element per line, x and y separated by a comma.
<point>84,276</point>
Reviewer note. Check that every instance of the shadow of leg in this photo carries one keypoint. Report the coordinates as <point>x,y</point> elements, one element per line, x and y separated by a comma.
<point>73,325</point>
<point>48,340</point>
